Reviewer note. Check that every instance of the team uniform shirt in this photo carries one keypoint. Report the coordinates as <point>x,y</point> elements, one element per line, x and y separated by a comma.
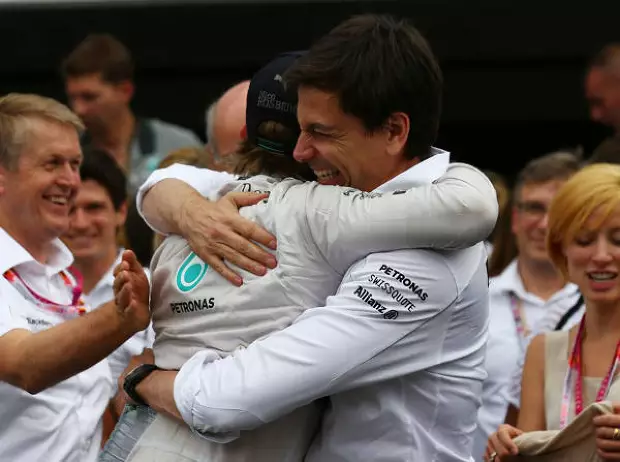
<point>404,326</point>
<point>63,422</point>
<point>515,317</point>
<point>118,360</point>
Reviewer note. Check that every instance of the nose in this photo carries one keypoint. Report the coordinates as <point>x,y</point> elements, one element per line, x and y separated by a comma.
<point>78,106</point>
<point>303,151</point>
<point>78,219</point>
<point>69,176</point>
<point>602,252</point>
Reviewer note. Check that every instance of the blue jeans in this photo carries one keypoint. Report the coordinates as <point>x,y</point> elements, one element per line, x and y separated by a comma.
<point>132,424</point>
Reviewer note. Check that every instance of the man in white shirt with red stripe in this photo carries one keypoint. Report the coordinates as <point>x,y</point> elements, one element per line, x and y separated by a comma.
<point>404,379</point>
<point>54,386</point>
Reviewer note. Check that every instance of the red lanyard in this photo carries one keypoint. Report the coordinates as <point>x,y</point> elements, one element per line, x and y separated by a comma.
<point>575,368</point>
<point>76,308</point>
<point>516,305</point>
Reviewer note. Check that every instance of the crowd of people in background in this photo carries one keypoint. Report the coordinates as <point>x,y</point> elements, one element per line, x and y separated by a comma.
<point>317,282</point>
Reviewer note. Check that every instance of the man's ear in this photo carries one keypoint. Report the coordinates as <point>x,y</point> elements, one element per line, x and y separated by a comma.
<point>121,215</point>
<point>397,129</point>
<point>127,90</point>
<point>3,173</point>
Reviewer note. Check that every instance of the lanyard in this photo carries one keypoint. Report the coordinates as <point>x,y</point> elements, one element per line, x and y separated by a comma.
<point>574,368</point>
<point>76,308</point>
<point>516,305</point>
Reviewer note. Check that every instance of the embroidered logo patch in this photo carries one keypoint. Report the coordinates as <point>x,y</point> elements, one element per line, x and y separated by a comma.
<point>190,273</point>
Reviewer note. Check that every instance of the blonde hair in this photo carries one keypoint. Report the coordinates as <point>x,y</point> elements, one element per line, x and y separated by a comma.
<point>594,188</point>
<point>253,160</point>
<point>16,110</point>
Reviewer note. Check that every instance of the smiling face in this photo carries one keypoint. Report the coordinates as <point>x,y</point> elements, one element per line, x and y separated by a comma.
<point>93,223</point>
<point>339,149</point>
<point>529,219</point>
<point>593,258</point>
<point>36,195</point>
<point>97,102</point>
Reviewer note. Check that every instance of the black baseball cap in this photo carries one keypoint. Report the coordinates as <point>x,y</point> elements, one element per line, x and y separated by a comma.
<point>269,99</point>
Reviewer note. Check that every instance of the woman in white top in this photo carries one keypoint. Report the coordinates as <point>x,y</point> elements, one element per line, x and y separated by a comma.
<point>565,371</point>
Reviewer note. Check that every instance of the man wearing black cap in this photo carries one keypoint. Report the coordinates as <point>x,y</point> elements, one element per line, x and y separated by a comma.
<point>400,347</point>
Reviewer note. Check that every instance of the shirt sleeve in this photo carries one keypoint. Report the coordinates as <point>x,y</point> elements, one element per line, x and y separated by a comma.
<point>355,340</point>
<point>206,182</point>
<point>8,322</point>
<point>456,211</point>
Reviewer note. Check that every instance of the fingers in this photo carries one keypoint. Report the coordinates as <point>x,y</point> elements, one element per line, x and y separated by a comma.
<point>134,265</point>
<point>505,436</point>
<point>245,199</point>
<point>218,265</point>
<point>122,266</point>
<point>124,299</point>
<point>607,420</point>
<point>239,235</point>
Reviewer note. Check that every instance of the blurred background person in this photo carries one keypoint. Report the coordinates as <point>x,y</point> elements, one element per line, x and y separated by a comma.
<point>225,118</point>
<point>602,87</point>
<point>99,82</point>
<point>567,370</point>
<point>97,214</point>
<point>529,293</point>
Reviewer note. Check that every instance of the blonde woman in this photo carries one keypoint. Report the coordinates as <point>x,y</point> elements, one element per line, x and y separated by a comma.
<point>566,371</point>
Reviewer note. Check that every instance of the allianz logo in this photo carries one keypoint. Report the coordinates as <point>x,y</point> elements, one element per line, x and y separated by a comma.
<point>190,273</point>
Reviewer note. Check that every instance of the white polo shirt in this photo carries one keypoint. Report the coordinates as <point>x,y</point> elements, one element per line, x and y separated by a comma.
<point>63,422</point>
<point>119,359</point>
<point>404,380</point>
<point>506,347</point>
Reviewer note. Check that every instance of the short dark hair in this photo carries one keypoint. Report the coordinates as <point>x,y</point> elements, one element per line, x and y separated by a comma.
<point>607,55</point>
<point>377,65</point>
<point>560,165</point>
<point>607,152</point>
<point>100,53</point>
<point>101,167</point>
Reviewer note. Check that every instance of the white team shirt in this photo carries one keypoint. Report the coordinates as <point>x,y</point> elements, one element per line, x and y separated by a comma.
<point>119,359</point>
<point>63,422</point>
<point>506,348</point>
<point>366,339</point>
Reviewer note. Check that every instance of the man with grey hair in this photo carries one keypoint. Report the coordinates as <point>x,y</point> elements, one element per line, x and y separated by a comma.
<point>51,344</point>
<point>225,118</point>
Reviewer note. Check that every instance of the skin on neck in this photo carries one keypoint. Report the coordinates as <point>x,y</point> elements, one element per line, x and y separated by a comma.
<point>94,268</point>
<point>540,278</point>
<point>399,167</point>
<point>40,249</point>
<point>116,137</point>
<point>602,321</point>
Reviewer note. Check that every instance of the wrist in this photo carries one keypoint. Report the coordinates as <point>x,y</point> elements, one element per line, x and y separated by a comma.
<point>194,201</point>
<point>137,380</point>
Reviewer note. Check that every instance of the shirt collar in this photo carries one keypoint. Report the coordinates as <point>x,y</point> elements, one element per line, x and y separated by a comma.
<point>424,172</point>
<point>509,281</point>
<point>14,255</point>
<point>107,280</point>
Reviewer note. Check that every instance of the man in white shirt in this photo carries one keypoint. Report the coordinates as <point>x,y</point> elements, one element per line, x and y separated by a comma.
<point>404,382</point>
<point>530,296</point>
<point>98,212</point>
<point>50,410</point>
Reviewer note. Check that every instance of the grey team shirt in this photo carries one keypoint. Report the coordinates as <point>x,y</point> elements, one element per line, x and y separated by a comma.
<point>321,231</point>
